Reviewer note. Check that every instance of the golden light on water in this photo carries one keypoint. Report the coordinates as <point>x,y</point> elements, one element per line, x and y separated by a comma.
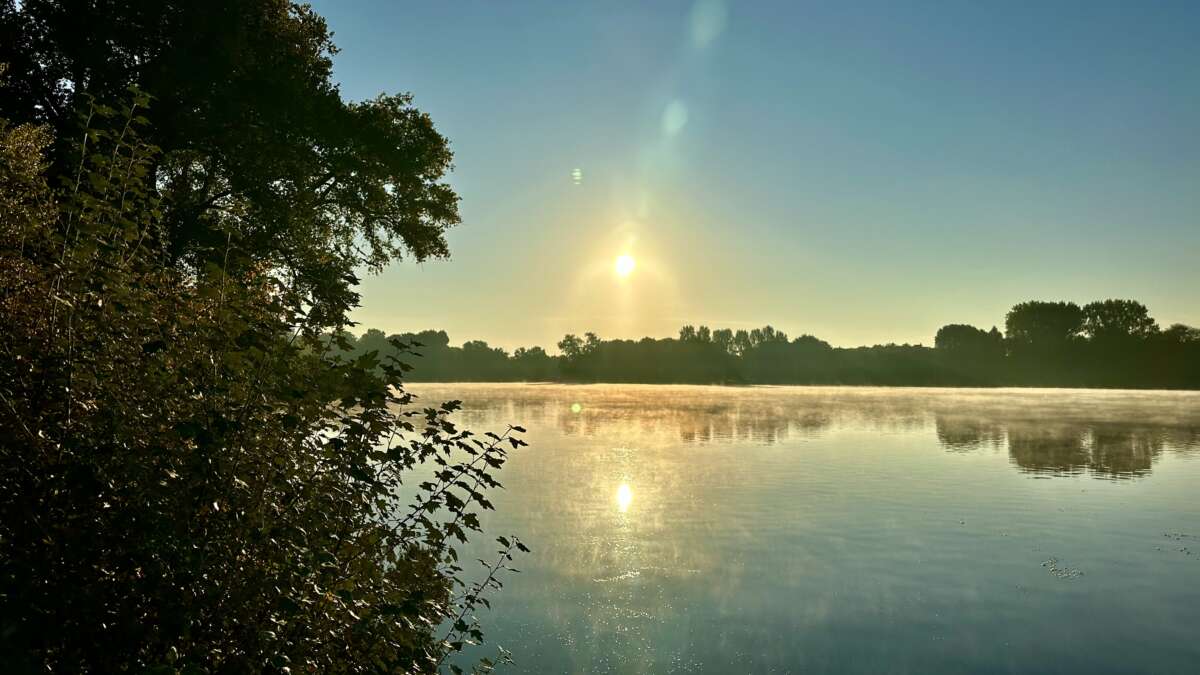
<point>624,497</point>
<point>624,265</point>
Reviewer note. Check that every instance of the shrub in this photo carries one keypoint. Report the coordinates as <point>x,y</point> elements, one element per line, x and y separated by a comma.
<point>191,480</point>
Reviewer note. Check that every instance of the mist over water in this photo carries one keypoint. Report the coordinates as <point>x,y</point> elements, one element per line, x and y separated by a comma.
<point>798,529</point>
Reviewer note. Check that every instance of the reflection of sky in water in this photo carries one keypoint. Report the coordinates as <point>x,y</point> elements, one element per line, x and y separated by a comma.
<point>709,529</point>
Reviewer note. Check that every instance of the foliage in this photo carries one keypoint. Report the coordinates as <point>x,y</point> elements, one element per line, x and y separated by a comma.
<point>957,337</point>
<point>257,146</point>
<point>1121,347</point>
<point>1118,320</point>
<point>193,478</point>
<point>1180,334</point>
<point>1043,324</point>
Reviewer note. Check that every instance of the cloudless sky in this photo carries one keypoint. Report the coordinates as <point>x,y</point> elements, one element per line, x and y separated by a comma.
<point>862,171</point>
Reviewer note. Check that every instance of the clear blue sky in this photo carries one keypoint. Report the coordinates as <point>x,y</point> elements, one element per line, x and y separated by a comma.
<point>862,171</point>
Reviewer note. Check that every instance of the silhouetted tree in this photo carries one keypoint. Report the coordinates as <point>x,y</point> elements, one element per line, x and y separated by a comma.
<point>571,346</point>
<point>972,353</point>
<point>741,342</point>
<point>1175,357</point>
<point>1181,334</point>
<point>374,340</point>
<point>963,356</point>
<point>805,360</point>
<point>534,364</point>
<point>483,362</point>
<point>957,337</point>
<point>1043,324</point>
<point>810,344</point>
<point>723,338</point>
<point>1043,341</point>
<point>1117,320</point>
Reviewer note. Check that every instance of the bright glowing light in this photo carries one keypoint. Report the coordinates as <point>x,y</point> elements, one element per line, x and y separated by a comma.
<point>576,408</point>
<point>624,497</point>
<point>624,265</point>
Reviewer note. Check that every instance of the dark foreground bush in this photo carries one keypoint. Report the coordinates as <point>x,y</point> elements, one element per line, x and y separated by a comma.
<point>190,480</point>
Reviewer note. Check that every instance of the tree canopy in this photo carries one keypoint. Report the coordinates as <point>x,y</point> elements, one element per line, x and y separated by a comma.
<point>1047,324</point>
<point>1118,319</point>
<point>190,479</point>
<point>195,476</point>
<point>261,162</point>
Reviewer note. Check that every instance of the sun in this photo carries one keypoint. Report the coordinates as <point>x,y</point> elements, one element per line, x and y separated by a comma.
<point>624,265</point>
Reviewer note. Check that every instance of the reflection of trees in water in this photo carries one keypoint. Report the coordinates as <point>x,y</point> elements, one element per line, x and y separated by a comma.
<point>734,423</point>
<point>482,410</point>
<point>1041,448</point>
<point>694,424</point>
<point>965,434</point>
<point>1119,452</point>
<point>1105,433</point>
<point>621,412</point>
<point>1105,449</point>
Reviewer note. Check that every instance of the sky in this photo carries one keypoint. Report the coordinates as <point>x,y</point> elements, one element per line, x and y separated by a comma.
<point>865,172</point>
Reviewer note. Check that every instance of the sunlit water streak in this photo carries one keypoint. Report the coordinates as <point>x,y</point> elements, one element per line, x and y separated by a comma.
<point>713,530</point>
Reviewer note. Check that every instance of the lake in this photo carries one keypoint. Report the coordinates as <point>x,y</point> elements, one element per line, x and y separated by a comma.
<point>681,529</point>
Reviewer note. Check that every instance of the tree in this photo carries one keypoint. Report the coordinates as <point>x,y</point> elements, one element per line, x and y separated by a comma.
<point>24,194</point>
<point>533,364</point>
<point>768,334</point>
<point>810,343</point>
<point>374,340</point>
<point>190,479</point>
<point>1181,334</point>
<point>723,338</point>
<point>963,356</point>
<point>972,354</point>
<point>1117,320</point>
<point>429,339</point>
<point>965,339</point>
<point>262,163</point>
<point>1043,324</point>
<point>742,342</point>
<point>571,346</point>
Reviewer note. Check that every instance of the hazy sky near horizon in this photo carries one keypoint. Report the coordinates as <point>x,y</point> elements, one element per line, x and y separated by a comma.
<point>862,171</point>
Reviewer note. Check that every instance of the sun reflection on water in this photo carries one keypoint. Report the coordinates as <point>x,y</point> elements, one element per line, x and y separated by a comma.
<point>624,497</point>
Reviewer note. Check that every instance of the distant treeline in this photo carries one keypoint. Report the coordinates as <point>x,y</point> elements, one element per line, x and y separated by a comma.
<point>1109,343</point>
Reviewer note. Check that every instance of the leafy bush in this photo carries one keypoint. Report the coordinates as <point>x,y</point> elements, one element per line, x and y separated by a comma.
<point>191,480</point>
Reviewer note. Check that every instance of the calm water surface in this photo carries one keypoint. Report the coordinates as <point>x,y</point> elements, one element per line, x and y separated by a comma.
<point>796,530</point>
